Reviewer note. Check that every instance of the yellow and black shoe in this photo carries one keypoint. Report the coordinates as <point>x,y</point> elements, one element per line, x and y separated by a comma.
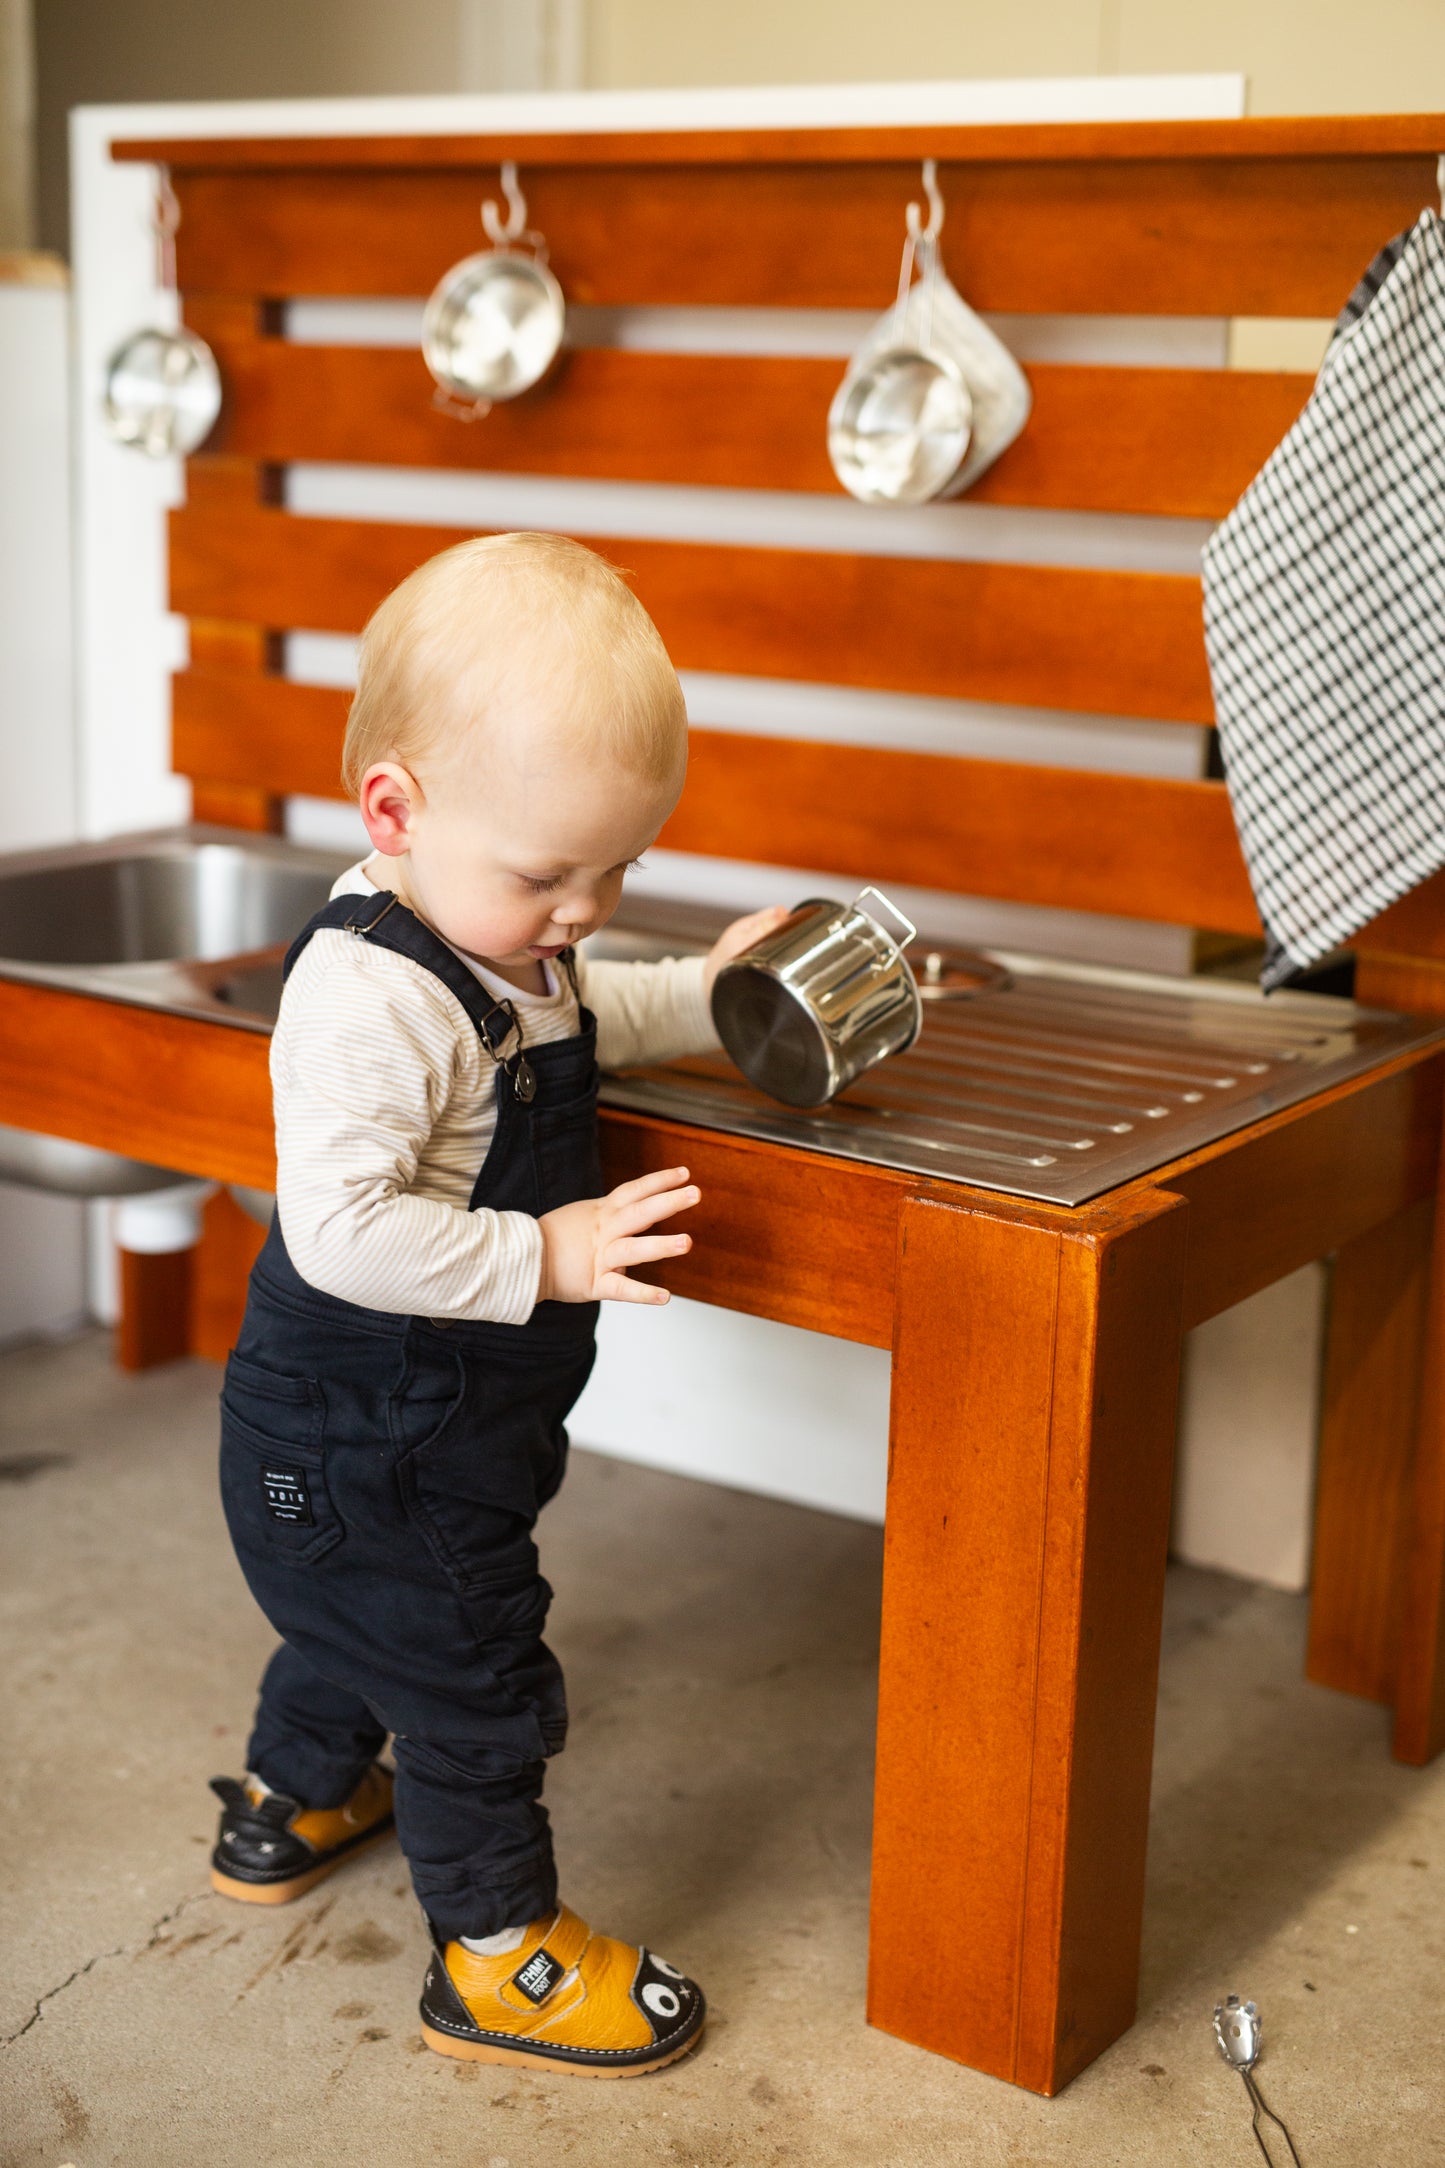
<point>564,1999</point>
<point>271,1848</point>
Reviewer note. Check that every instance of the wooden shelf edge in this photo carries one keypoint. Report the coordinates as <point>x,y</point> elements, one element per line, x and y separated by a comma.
<point>1293,136</point>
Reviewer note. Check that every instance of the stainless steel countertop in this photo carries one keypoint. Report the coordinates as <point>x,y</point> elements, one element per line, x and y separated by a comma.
<point>1064,1084</point>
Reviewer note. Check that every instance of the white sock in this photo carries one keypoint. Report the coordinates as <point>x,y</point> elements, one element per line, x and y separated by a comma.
<point>494,1945</point>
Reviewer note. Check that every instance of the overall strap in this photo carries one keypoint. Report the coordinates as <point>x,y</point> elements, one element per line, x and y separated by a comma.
<point>384,920</point>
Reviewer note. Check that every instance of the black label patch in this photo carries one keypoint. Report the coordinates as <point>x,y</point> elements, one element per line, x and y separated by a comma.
<point>538,1976</point>
<point>287,1498</point>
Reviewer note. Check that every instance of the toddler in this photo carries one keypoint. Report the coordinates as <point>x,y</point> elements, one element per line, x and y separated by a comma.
<point>421,1318</point>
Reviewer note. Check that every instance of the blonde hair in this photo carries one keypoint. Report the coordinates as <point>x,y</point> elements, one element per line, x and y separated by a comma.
<point>497,619</point>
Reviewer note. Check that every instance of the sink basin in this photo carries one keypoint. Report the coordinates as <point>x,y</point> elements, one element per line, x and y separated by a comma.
<point>66,1169</point>
<point>193,920</point>
<point>155,901</point>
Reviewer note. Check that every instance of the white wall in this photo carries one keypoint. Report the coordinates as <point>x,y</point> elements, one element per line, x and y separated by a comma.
<point>36,737</point>
<point>41,1286</point>
<point>1249,1419</point>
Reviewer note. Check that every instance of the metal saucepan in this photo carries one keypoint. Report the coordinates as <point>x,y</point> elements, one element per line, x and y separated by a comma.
<point>900,426</point>
<point>162,392</point>
<point>493,325</point>
<point>902,419</point>
<point>162,388</point>
<point>808,1008</point>
<point>932,395</point>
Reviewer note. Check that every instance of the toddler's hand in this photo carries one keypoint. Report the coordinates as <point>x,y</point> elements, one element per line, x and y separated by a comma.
<point>741,935</point>
<point>587,1247</point>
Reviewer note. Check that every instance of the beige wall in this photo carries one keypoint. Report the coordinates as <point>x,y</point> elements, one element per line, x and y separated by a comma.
<point>821,41</point>
<point>1301,56</point>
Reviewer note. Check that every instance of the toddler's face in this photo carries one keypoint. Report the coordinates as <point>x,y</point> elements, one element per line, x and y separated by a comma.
<point>514,856</point>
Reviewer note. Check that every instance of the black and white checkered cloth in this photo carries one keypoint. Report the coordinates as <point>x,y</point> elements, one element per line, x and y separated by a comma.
<point>1324,614</point>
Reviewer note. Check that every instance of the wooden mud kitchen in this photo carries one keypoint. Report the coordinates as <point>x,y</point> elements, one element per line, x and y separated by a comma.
<point>1066,1173</point>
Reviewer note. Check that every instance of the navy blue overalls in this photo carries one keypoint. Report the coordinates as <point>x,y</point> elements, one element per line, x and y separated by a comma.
<point>381,1476</point>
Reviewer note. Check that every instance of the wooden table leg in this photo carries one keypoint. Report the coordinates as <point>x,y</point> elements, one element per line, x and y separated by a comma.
<point>1034,1393</point>
<point>155,1308</point>
<point>1373,1354</point>
<point>1420,1677</point>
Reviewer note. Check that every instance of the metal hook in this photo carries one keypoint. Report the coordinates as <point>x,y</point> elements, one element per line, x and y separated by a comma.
<point>502,235</point>
<point>920,252</point>
<point>917,230</point>
<point>165,221</point>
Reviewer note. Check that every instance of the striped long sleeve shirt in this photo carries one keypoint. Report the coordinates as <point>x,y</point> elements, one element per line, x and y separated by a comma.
<point>385,1110</point>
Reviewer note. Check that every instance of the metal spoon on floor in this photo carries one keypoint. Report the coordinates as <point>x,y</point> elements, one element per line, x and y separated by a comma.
<point>1240,2035</point>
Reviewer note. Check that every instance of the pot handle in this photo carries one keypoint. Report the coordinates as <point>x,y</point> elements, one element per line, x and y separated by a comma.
<point>461,410</point>
<point>912,934</point>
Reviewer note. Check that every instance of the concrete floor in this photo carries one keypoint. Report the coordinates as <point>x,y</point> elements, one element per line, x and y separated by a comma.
<point>714,1801</point>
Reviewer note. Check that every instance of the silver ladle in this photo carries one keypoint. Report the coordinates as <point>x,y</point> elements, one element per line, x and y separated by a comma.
<point>1240,2035</point>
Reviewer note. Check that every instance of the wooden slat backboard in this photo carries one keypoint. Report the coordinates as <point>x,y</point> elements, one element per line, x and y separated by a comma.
<point>1177,442</point>
<point>1212,220</point>
<point>1123,643</point>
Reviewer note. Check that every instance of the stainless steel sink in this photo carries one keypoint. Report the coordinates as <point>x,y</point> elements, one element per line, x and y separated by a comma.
<point>154,904</point>
<point>67,1169</point>
<point>194,921</point>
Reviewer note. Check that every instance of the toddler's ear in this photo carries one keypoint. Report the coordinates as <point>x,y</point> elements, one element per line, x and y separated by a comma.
<point>389,797</point>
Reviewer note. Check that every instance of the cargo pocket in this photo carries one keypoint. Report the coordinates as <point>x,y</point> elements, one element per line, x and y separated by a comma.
<point>441,1471</point>
<point>273,1478</point>
<point>567,1149</point>
<point>269,1401</point>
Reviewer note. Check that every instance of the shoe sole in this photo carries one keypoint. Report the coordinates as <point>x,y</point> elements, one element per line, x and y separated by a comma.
<point>482,2051</point>
<point>281,1893</point>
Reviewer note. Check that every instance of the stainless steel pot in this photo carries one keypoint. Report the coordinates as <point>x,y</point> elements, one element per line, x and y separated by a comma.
<point>932,395</point>
<point>900,427</point>
<point>493,326</point>
<point>810,1007</point>
<point>162,392</point>
<point>162,388</point>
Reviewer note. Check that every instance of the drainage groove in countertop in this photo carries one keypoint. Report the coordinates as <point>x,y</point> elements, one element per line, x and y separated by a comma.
<point>1059,1086</point>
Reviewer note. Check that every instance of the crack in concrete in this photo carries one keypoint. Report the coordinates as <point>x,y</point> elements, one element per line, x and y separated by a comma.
<point>123,1949</point>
